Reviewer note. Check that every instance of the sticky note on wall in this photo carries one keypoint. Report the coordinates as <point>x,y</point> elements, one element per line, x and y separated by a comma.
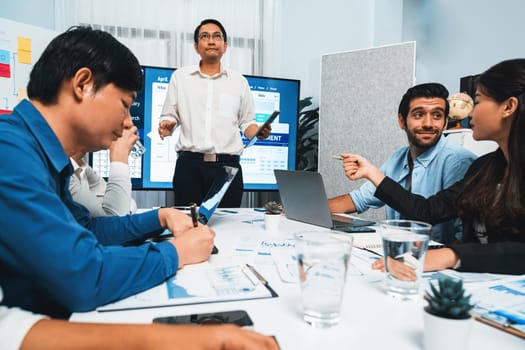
<point>22,93</point>
<point>4,56</point>
<point>24,50</point>
<point>5,68</point>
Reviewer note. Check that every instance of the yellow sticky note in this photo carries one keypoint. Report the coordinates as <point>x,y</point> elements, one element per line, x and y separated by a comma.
<point>24,56</point>
<point>22,93</point>
<point>24,44</point>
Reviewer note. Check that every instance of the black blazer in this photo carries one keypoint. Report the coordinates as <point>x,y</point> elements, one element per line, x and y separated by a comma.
<point>504,252</point>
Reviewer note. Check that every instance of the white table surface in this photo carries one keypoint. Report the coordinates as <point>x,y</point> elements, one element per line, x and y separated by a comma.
<point>370,319</point>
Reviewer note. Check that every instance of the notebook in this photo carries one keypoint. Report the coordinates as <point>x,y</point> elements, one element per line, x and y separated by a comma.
<point>373,243</point>
<point>304,199</point>
<point>268,121</point>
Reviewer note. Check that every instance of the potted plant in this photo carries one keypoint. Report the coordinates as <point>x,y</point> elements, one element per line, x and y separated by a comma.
<point>447,319</point>
<point>272,216</point>
<point>273,208</point>
<point>307,136</point>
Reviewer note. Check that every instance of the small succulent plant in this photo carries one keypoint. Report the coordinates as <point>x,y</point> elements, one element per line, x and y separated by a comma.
<point>449,300</point>
<point>273,208</point>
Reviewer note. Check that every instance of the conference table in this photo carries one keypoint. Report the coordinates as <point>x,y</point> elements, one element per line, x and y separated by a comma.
<point>370,319</point>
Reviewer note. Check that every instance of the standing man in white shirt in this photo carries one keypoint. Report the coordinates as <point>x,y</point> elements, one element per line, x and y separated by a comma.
<point>211,104</point>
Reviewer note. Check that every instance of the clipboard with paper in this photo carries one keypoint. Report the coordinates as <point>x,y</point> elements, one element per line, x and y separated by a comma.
<point>198,284</point>
<point>502,305</point>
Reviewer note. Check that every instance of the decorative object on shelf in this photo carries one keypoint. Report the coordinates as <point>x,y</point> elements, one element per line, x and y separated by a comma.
<point>272,216</point>
<point>461,105</point>
<point>447,319</point>
<point>307,136</point>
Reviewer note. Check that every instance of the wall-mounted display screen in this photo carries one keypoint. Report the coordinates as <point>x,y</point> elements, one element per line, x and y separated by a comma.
<point>154,170</point>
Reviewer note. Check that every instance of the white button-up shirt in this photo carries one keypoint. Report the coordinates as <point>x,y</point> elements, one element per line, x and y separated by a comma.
<point>210,110</point>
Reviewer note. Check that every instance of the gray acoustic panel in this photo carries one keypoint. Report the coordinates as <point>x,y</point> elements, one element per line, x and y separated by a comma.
<point>360,94</point>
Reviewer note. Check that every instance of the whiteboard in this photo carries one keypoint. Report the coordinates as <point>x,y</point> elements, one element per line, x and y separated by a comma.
<point>20,47</point>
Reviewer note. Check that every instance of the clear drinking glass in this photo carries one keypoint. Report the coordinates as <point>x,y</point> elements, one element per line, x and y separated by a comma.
<point>323,259</point>
<point>405,244</point>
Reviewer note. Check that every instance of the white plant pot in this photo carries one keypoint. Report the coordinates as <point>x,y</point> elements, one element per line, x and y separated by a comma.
<point>443,333</point>
<point>271,222</point>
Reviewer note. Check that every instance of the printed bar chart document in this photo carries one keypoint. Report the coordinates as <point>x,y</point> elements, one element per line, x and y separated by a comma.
<point>502,305</point>
<point>202,283</point>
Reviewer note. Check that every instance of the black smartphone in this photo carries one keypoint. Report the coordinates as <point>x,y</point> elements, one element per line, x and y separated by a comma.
<point>260,129</point>
<point>238,317</point>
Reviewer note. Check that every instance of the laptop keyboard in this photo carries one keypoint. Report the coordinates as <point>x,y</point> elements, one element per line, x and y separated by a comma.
<point>353,229</point>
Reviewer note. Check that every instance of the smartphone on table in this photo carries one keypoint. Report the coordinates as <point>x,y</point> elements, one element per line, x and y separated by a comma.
<point>238,317</point>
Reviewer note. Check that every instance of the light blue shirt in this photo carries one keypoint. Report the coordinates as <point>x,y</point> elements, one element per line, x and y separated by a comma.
<point>438,168</point>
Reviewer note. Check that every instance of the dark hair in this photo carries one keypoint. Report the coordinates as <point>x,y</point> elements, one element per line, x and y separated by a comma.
<point>207,21</point>
<point>428,90</point>
<point>480,197</point>
<point>79,47</point>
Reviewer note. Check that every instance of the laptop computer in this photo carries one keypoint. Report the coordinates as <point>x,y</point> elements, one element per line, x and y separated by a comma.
<point>304,199</point>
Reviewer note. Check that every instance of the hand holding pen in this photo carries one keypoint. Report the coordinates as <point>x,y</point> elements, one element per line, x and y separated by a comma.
<point>174,220</point>
<point>357,167</point>
<point>350,164</point>
<point>195,219</point>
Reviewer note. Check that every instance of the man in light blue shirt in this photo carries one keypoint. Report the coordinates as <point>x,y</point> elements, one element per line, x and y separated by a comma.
<point>427,165</point>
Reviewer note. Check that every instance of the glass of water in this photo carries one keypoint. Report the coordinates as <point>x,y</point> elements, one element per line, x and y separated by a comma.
<point>405,244</point>
<point>323,258</point>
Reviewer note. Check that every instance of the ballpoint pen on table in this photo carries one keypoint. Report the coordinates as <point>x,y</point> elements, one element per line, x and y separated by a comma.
<point>257,274</point>
<point>263,280</point>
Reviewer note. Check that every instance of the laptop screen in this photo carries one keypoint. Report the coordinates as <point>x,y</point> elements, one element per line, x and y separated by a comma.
<point>304,199</point>
<point>217,190</point>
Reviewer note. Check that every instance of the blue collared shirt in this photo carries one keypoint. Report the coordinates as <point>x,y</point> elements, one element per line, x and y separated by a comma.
<point>54,257</point>
<point>438,168</point>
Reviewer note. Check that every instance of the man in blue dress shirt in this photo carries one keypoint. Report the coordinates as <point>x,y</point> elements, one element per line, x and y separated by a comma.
<point>54,258</point>
<point>427,165</point>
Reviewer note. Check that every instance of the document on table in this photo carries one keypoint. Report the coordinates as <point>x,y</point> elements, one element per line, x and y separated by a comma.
<point>502,305</point>
<point>196,284</point>
<point>373,242</point>
<point>466,277</point>
<point>279,251</point>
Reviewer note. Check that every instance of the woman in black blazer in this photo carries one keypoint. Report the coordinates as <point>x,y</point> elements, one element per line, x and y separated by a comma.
<point>491,198</point>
